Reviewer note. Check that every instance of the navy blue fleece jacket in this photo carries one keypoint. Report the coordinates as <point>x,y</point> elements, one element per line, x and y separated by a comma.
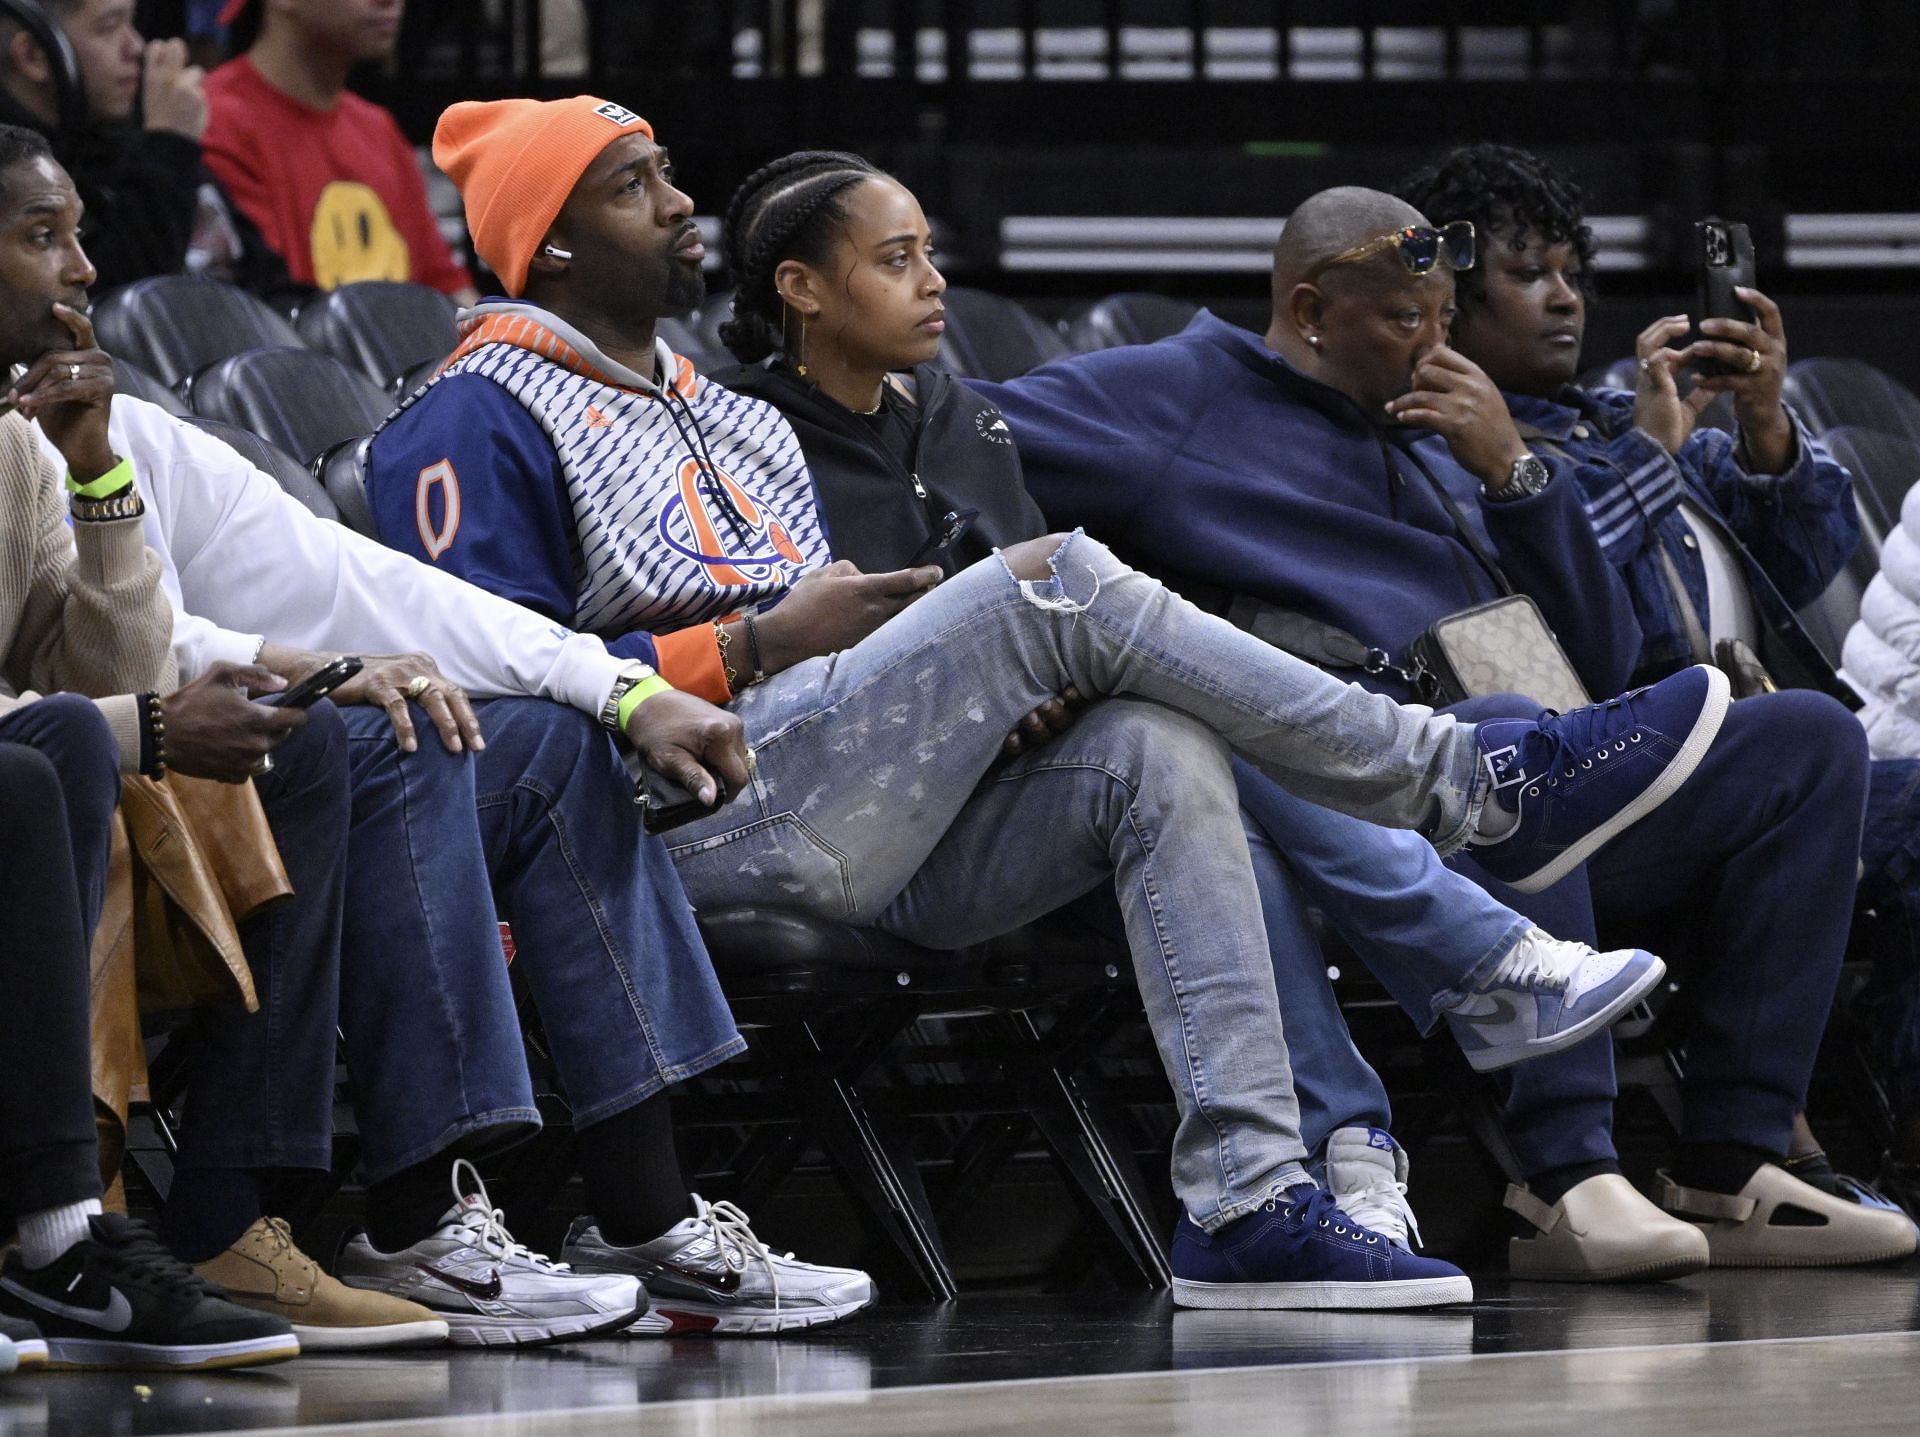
<point>1208,456</point>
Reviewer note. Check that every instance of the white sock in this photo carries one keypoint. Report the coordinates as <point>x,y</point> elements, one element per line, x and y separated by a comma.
<point>46,1235</point>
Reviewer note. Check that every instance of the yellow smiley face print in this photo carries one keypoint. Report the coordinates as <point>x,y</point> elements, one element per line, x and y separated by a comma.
<point>354,237</point>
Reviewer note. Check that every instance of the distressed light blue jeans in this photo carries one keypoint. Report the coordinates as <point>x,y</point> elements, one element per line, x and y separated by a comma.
<point>877,800</point>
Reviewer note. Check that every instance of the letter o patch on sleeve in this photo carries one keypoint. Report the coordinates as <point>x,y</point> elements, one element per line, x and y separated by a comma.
<point>437,538</point>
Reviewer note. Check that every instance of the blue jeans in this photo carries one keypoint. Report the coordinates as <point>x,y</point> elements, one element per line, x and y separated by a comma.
<point>1426,932</point>
<point>261,1093</point>
<point>539,827</point>
<point>1890,854</point>
<point>1745,883</point>
<point>876,800</point>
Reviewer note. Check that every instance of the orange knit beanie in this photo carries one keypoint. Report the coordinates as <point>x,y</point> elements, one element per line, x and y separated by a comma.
<point>516,161</point>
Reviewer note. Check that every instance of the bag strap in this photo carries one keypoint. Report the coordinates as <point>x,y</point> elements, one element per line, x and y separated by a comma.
<point>1322,644</point>
<point>1465,530</point>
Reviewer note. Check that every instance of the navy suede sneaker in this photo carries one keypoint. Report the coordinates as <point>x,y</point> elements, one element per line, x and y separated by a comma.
<point>1577,780</point>
<point>1300,1250</point>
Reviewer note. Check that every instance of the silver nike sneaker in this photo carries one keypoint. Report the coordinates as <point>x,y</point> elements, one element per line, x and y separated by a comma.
<point>493,1291</point>
<point>709,1273</point>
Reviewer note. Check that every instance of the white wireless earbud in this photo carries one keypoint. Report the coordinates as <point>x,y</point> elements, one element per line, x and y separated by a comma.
<point>556,252</point>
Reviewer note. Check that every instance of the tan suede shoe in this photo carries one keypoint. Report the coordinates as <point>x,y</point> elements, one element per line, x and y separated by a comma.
<point>1776,1220</point>
<point>1602,1230</point>
<point>266,1272</point>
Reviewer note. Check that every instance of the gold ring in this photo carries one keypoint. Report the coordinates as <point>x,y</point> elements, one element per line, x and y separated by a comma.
<point>1753,360</point>
<point>418,685</point>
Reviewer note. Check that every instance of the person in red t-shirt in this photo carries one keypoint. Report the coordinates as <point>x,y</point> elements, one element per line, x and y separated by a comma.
<point>326,175</point>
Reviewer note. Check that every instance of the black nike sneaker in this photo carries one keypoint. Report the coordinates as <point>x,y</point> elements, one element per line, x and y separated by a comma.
<point>21,1345</point>
<point>118,1298</point>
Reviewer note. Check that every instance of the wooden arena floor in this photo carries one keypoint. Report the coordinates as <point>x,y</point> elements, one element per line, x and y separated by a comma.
<point>1747,1353</point>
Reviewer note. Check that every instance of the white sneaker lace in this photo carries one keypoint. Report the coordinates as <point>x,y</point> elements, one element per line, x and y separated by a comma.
<point>1382,1206</point>
<point>1539,968</point>
<point>489,1225</point>
<point>734,1239</point>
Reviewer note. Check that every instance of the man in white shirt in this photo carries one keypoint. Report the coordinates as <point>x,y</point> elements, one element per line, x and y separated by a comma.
<point>522,803</point>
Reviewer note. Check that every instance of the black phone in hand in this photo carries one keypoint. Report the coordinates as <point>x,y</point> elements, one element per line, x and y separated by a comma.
<point>665,805</point>
<point>1723,261</point>
<point>315,686</point>
<point>946,534</point>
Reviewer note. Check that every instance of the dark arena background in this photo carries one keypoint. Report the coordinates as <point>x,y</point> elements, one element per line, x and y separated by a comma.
<point>987,1131</point>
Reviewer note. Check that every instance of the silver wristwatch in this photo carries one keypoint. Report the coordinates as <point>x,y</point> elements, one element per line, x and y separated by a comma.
<point>1528,477</point>
<point>124,505</point>
<point>630,675</point>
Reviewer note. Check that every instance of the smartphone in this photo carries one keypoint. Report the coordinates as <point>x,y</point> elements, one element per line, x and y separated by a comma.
<point>1723,258</point>
<point>315,686</point>
<point>945,535</point>
<point>664,804</point>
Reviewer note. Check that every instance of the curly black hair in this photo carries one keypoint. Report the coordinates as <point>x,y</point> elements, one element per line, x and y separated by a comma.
<point>1508,189</point>
<point>790,209</point>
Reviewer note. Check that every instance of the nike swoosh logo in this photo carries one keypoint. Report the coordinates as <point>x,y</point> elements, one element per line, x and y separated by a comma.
<point>488,1291</point>
<point>1503,1011</point>
<point>116,1316</point>
<point>726,1284</point>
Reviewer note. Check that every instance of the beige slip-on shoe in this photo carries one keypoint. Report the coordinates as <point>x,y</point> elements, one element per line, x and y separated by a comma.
<point>1601,1230</point>
<point>1776,1220</point>
<point>263,1270</point>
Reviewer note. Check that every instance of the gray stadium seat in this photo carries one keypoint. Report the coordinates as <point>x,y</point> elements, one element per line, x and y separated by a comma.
<point>1884,467</point>
<point>991,337</point>
<point>1132,318</point>
<point>130,378</point>
<point>1832,393</point>
<point>271,459</point>
<point>381,329</point>
<point>174,326</point>
<point>302,401</point>
<point>342,472</point>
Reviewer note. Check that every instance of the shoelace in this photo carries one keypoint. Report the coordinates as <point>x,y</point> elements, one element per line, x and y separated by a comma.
<point>1321,1208</point>
<point>1538,971</point>
<point>148,1263</point>
<point>283,1240</point>
<point>489,1225</point>
<point>1382,1205</point>
<point>734,1240</point>
<point>1575,740</point>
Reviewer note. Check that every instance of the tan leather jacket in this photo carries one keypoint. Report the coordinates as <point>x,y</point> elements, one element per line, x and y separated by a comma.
<point>192,860</point>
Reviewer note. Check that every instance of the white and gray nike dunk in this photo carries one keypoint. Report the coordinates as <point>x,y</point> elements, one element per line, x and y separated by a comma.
<point>493,1291</point>
<point>709,1273</point>
<point>1546,995</point>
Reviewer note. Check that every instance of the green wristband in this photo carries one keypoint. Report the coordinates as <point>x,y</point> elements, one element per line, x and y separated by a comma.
<point>637,695</point>
<point>108,484</point>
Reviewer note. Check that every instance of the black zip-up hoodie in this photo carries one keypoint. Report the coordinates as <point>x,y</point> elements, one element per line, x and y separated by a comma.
<point>877,513</point>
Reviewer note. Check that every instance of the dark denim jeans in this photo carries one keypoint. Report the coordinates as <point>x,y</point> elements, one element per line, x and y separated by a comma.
<point>261,1094</point>
<point>59,784</point>
<point>602,929</point>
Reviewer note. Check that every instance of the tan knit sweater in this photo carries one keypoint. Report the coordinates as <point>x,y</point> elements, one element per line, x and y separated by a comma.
<point>81,607</point>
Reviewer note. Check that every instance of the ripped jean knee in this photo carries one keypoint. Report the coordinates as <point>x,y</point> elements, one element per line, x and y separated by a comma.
<point>1075,578</point>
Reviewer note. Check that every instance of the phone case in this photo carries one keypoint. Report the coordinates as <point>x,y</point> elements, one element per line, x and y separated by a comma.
<point>1723,259</point>
<point>665,805</point>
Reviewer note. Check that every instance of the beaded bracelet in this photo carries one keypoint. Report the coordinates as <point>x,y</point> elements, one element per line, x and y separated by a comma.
<point>153,737</point>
